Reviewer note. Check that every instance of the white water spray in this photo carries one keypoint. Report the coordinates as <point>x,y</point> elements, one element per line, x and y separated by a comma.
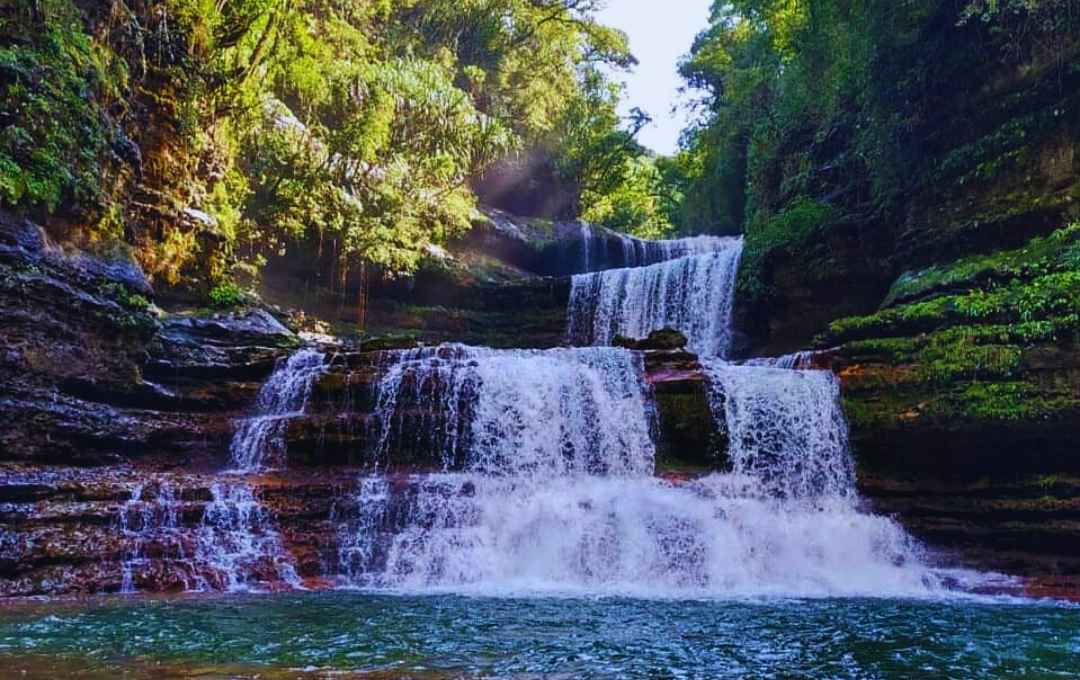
<point>795,360</point>
<point>147,520</point>
<point>786,429</point>
<point>238,548</point>
<point>528,412</point>
<point>540,495</point>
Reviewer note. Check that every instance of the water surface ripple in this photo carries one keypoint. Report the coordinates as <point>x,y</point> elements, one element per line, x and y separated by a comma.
<point>313,634</point>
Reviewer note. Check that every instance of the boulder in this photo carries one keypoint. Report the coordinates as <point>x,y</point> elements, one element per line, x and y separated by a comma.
<point>664,339</point>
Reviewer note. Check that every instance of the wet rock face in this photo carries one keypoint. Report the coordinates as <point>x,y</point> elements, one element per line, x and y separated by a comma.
<point>690,437</point>
<point>74,330</point>
<point>66,531</point>
<point>93,376</point>
<point>1024,524</point>
<point>235,346</point>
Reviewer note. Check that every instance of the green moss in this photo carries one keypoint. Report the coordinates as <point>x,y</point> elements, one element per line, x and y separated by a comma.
<point>994,351</point>
<point>909,319</point>
<point>1046,306</point>
<point>53,145</point>
<point>997,401</point>
<point>125,297</point>
<point>962,404</point>
<point>1058,251</point>
<point>794,230</point>
<point>958,344</point>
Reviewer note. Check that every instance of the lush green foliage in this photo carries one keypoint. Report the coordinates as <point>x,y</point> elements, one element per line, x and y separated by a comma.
<point>354,125</point>
<point>639,204</point>
<point>836,101</point>
<point>794,231</point>
<point>972,332</point>
<point>227,295</point>
<point>1059,251</point>
<point>1053,297</point>
<point>372,117</point>
<point>53,136</point>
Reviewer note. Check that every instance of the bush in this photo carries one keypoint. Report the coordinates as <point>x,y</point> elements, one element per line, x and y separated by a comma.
<point>227,295</point>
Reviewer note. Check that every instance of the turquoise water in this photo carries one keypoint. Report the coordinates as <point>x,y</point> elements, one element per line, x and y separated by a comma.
<point>453,636</point>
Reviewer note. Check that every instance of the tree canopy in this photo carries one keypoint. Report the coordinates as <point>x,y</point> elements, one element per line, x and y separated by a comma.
<point>360,122</point>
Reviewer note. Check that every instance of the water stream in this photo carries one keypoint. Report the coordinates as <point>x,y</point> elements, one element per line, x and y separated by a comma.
<point>237,539</point>
<point>149,523</point>
<point>236,545</point>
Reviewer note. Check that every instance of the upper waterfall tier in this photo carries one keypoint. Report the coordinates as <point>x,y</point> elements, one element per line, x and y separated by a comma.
<point>693,294</point>
<point>605,249</point>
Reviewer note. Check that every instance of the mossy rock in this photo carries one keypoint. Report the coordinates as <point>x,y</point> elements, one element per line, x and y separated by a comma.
<point>664,339</point>
<point>389,342</point>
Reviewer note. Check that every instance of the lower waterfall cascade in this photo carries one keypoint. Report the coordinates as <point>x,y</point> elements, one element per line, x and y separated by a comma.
<point>239,544</point>
<point>235,546</point>
<point>786,429</point>
<point>693,294</point>
<point>504,516</point>
<point>144,521</point>
<point>237,539</point>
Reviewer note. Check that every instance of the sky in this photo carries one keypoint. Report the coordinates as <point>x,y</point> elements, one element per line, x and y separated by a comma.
<point>661,32</point>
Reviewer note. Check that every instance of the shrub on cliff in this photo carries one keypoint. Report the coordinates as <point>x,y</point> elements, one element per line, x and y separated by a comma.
<point>54,133</point>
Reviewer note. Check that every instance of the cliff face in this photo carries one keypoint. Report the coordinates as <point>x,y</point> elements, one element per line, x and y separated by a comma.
<point>952,315</point>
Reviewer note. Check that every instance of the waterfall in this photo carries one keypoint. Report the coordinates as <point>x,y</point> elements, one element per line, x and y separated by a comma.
<point>260,438</point>
<point>586,242</point>
<point>795,360</point>
<point>519,411</point>
<point>786,428</point>
<point>638,252</point>
<point>600,249</point>
<point>237,544</point>
<point>234,547</point>
<point>547,485</point>
<point>693,294</point>
<point>791,464</point>
<point>149,521</point>
<point>134,536</point>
